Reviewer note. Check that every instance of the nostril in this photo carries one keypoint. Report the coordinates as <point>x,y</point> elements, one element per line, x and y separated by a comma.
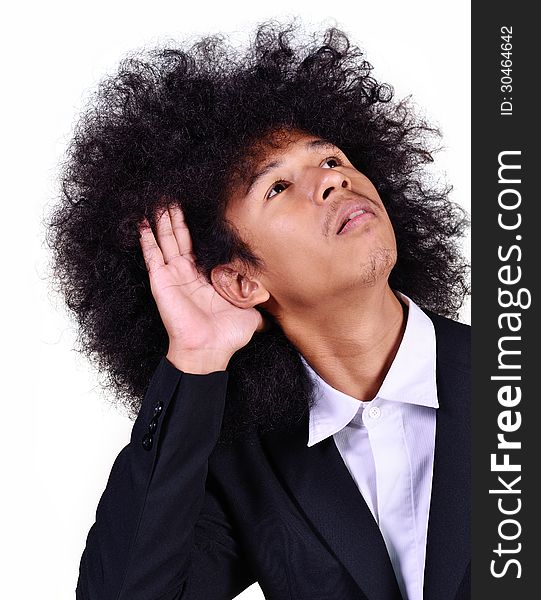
<point>344,183</point>
<point>326,193</point>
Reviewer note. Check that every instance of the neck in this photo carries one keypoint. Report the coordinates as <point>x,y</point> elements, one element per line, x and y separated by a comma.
<point>352,343</point>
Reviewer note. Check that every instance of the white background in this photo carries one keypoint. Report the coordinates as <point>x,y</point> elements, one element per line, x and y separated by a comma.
<point>62,433</point>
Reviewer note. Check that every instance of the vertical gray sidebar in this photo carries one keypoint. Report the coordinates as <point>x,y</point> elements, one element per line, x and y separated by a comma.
<point>506,265</point>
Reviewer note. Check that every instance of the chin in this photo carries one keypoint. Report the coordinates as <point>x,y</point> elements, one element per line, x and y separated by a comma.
<point>377,268</point>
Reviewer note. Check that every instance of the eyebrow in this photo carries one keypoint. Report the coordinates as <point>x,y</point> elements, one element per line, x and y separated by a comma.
<point>260,173</point>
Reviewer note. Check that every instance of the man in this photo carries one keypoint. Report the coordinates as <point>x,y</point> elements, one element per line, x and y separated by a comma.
<point>306,424</point>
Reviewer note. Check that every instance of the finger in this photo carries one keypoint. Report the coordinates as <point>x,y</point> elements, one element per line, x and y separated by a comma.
<point>181,231</point>
<point>165,237</point>
<point>151,251</point>
<point>263,324</point>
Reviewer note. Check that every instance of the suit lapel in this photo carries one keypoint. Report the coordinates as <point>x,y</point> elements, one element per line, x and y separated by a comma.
<point>448,544</point>
<point>324,489</point>
<point>322,485</point>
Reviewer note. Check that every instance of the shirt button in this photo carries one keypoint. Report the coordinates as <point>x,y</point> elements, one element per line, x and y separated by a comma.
<point>374,412</point>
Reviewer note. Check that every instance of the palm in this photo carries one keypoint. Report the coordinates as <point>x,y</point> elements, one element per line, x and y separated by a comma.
<point>193,313</point>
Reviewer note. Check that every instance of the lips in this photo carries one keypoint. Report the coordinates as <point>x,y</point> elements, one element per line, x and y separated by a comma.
<point>348,209</point>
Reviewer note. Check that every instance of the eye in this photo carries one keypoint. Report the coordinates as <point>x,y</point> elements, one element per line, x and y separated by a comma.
<point>333,159</point>
<point>280,185</point>
<point>276,185</point>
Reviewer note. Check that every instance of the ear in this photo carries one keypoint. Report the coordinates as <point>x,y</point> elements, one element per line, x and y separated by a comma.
<point>238,287</point>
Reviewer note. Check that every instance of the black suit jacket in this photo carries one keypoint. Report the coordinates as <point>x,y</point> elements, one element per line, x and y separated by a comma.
<point>182,518</point>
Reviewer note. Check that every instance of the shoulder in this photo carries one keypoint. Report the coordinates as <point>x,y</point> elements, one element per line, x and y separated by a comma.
<point>453,341</point>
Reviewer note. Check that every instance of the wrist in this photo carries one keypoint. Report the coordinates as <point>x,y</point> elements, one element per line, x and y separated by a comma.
<point>198,361</point>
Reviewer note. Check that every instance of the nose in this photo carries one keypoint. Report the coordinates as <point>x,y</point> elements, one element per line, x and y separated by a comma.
<point>331,180</point>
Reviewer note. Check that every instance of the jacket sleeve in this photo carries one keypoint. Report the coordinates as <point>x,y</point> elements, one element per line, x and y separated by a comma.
<point>160,531</point>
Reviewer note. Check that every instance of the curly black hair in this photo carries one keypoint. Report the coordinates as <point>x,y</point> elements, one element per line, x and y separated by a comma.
<point>176,124</point>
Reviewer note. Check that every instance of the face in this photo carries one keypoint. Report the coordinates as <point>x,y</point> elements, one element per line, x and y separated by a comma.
<point>289,214</point>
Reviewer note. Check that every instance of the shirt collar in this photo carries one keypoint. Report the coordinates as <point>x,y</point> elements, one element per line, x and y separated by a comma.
<point>411,379</point>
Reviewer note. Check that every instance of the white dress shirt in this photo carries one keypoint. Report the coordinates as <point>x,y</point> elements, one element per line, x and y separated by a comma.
<point>387,444</point>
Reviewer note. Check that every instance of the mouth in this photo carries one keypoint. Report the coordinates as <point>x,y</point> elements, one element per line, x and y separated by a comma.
<point>352,215</point>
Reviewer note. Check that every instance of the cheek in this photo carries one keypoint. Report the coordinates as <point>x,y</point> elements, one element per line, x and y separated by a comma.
<point>286,225</point>
<point>290,252</point>
<point>283,235</point>
<point>391,231</point>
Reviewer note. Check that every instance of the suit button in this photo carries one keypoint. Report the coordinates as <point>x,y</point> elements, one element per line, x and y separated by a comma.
<point>152,426</point>
<point>147,441</point>
<point>158,409</point>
